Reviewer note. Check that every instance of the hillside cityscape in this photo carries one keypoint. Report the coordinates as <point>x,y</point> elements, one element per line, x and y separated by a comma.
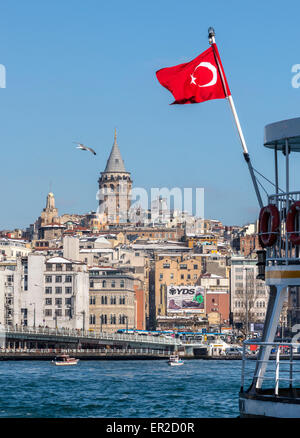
<point>120,268</point>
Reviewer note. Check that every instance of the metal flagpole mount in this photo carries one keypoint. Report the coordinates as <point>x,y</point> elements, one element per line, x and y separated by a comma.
<point>211,35</point>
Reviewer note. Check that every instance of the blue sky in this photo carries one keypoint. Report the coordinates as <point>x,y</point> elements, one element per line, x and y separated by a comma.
<point>76,70</point>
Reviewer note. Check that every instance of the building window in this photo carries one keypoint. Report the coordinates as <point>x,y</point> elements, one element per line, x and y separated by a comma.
<point>113,283</point>
<point>93,300</point>
<point>91,284</point>
<point>104,283</point>
<point>48,290</point>
<point>103,319</point>
<point>68,279</point>
<point>113,319</point>
<point>9,280</point>
<point>122,300</point>
<point>69,267</point>
<point>113,300</point>
<point>182,277</point>
<point>58,290</point>
<point>184,266</point>
<point>122,283</point>
<point>92,319</point>
<point>68,301</point>
<point>48,267</point>
<point>48,312</point>
<point>122,319</point>
<point>58,301</point>
<point>48,278</point>
<point>68,313</point>
<point>171,276</point>
<point>58,279</point>
<point>166,265</point>
<point>104,299</point>
<point>48,301</point>
<point>68,290</point>
<point>161,276</point>
<point>195,266</point>
<point>58,267</point>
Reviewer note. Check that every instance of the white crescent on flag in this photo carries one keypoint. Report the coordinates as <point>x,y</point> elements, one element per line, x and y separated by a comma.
<point>212,68</point>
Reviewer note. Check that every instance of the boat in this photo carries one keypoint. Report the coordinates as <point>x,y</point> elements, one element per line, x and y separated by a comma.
<point>175,361</point>
<point>274,389</point>
<point>64,360</point>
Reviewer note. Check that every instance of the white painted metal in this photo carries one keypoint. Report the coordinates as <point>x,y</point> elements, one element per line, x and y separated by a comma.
<point>270,334</point>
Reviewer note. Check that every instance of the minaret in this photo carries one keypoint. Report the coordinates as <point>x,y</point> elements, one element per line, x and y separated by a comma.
<point>115,188</point>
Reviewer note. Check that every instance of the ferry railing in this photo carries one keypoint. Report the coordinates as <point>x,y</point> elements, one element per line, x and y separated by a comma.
<point>282,362</point>
<point>283,251</point>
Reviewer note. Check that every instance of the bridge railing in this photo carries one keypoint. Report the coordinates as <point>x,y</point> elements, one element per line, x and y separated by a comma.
<point>92,335</point>
<point>102,351</point>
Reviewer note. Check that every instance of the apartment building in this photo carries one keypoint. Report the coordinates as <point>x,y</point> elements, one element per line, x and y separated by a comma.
<point>112,299</point>
<point>249,296</point>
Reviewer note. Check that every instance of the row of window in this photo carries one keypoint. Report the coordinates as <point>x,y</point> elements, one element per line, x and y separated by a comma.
<point>58,279</point>
<point>182,266</point>
<point>242,315</point>
<point>107,284</point>
<point>243,304</point>
<point>243,291</point>
<point>58,290</point>
<point>58,312</point>
<point>108,300</point>
<point>58,267</point>
<point>58,301</point>
<point>188,277</point>
<point>112,319</point>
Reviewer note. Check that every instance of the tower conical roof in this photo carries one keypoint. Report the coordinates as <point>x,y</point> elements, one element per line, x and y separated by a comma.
<point>115,162</point>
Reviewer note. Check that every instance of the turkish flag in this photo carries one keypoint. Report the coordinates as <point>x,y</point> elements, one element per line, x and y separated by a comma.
<point>196,81</point>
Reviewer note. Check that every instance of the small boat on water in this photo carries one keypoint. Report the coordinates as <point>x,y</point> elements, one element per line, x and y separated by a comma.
<point>175,361</point>
<point>65,359</point>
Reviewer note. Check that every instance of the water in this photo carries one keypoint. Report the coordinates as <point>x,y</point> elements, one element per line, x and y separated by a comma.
<point>120,389</point>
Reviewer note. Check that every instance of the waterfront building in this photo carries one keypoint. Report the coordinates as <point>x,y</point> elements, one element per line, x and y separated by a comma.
<point>217,306</point>
<point>171,270</point>
<point>138,264</point>
<point>249,295</point>
<point>12,278</point>
<point>112,299</point>
<point>217,297</point>
<point>57,294</point>
<point>115,188</point>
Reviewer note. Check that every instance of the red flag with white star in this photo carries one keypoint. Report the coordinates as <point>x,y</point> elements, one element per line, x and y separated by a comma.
<point>196,81</point>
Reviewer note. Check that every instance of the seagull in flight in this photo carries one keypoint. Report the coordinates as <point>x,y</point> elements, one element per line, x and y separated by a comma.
<point>84,148</point>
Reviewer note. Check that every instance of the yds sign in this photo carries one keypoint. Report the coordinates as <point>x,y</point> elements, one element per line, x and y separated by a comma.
<point>185,299</point>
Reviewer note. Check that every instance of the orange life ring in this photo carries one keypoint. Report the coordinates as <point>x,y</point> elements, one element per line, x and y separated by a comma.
<point>294,237</point>
<point>267,237</point>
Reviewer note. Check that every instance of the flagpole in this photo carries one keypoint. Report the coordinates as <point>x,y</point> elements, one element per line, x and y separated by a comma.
<point>211,37</point>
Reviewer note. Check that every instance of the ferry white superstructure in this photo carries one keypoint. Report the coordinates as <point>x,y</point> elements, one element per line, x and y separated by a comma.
<point>279,234</point>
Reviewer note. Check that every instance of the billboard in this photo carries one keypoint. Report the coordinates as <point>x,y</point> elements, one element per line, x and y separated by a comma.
<point>185,299</point>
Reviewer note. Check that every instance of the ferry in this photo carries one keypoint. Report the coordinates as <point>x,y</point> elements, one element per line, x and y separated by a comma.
<point>175,361</point>
<point>274,390</point>
<point>65,360</point>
